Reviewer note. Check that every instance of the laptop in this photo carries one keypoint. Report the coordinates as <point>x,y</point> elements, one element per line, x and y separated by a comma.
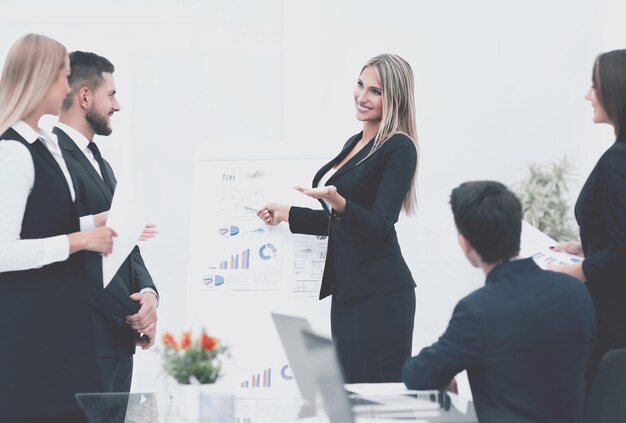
<point>322,359</point>
<point>119,407</point>
<point>290,330</point>
<point>329,378</point>
<point>290,333</point>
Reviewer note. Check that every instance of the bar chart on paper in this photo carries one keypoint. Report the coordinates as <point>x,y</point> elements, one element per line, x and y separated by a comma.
<point>259,380</point>
<point>237,261</point>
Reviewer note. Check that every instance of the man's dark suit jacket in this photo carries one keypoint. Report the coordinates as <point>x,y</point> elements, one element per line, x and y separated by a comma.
<point>113,336</point>
<point>363,256</point>
<point>601,215</point>
<point>524,338</point>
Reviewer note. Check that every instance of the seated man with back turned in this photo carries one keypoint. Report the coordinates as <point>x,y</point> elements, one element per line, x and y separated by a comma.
<point>525,337</point>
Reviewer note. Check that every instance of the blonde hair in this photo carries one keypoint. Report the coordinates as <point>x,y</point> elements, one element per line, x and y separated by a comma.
<point>398,117</point>
<point>30,69</point>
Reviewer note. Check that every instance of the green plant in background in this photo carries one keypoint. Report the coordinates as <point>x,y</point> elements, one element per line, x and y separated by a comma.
<point>544,198</point>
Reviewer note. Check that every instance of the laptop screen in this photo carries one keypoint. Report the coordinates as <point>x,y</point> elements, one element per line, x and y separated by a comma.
<point>290,332</point>
<point>329,377</point>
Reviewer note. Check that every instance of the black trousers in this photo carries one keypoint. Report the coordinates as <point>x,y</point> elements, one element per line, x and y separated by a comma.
<point>116,373</point>
<point>374,335</point>
<point>74,417</point>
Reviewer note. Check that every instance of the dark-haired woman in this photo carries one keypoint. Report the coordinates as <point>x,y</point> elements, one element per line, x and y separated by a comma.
<point>601,213</point>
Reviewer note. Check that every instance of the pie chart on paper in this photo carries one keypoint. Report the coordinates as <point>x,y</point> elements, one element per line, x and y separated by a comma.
<point>267,251</point>
<point>228,231</point>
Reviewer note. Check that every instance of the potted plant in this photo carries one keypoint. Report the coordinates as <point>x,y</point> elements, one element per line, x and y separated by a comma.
<point>544,197</point>
<point>195,364</point>
<point>191,358</point>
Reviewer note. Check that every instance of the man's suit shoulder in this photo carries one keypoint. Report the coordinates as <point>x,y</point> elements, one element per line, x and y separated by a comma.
<point>532,280</point>
<point>571,287</point>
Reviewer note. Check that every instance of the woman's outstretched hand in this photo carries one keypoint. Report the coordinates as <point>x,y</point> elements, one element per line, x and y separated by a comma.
<point>321,193</point>
<point>328,193</point>
<point>274,213</point>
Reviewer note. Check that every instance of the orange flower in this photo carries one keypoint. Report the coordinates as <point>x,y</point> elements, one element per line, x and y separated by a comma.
<point>169,341</point>
<point>185,342</point>
<point>208,342</point>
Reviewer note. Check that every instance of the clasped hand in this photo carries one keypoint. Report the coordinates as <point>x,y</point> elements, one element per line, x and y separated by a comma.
<point>144,321</point>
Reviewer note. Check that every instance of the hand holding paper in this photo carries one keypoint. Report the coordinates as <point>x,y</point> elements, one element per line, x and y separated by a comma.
<point>540,247</point>
<point>99,240</point>
<point>571,247</point>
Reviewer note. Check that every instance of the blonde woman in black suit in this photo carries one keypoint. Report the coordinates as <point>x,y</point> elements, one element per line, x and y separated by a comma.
<point>47,351</point>
<point>601,213</point>
<point>362,192</point>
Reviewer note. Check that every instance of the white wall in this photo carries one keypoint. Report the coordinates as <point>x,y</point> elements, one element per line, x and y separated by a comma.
<point>498,84</point>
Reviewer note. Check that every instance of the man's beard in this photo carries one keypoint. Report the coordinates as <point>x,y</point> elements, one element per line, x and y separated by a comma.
<point>98,123</point>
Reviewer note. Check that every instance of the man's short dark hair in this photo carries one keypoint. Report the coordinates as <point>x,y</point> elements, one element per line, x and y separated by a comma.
<point>86,70</point>
<point>489,216</point>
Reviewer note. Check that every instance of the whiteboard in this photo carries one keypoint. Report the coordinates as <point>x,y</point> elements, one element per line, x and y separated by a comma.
<point>240,269</point>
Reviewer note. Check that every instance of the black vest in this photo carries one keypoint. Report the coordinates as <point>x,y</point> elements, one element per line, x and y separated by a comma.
<point>47,351</point>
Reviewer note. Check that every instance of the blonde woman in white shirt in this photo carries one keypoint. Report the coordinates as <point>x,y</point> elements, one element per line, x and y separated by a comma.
<point>46,346</point>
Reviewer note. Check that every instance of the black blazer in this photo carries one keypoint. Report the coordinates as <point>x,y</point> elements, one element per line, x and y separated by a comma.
<point>524,339</point>
<point>363,256</point>
<point>47,350</point>
<point>601,215</point>
<point>93,196</point>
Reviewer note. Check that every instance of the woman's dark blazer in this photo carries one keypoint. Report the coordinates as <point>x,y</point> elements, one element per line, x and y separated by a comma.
<point>601,215</point>
<point>363,256</point>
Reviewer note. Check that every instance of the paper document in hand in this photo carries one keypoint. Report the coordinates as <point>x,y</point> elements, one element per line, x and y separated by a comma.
<point>535,244</point>
<point>124,219</point>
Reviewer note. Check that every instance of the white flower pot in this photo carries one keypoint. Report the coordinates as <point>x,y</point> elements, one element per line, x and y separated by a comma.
<point>204,403</point>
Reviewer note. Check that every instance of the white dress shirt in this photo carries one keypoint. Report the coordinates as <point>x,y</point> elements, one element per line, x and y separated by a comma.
<point>17,178</point>
<point>83,144</point>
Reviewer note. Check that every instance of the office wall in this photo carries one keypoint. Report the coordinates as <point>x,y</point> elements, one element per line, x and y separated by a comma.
<point>498,85</point>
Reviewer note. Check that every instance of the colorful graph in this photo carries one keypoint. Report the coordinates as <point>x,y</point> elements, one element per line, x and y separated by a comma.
<point>542,258</point>
<point>267,251</point>
<point>256,381</point>
<point>237,261</point>
<point>217,280</point>
<point>283,372</point>
<point>228,231</point>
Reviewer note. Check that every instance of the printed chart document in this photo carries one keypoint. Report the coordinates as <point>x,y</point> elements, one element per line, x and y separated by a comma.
<point>126,221</point>
<point>535,244</point>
